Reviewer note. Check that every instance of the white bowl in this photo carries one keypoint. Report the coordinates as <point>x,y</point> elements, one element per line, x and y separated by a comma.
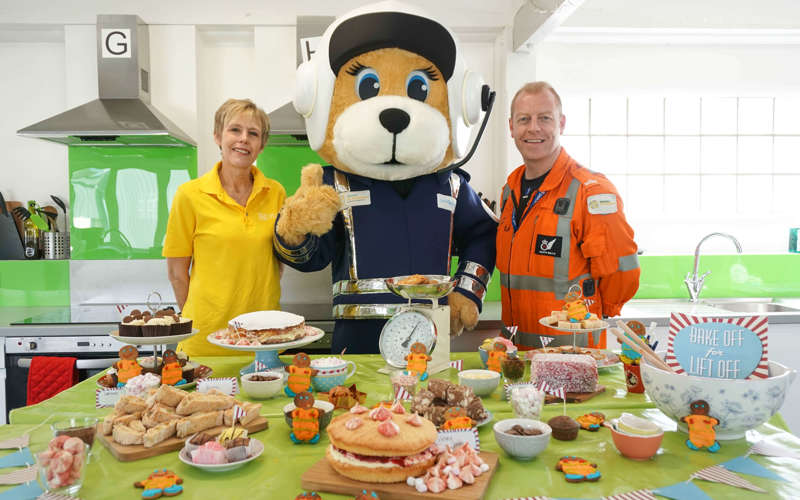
<point>522,447</point>
<point>480,386</point>
<point>739,405</point>
<point>262,389</point>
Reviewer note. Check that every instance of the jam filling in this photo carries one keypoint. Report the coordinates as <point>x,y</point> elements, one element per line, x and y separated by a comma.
<point>399,460</point>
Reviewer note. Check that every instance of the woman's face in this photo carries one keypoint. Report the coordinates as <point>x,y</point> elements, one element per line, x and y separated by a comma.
<point>240,141</point>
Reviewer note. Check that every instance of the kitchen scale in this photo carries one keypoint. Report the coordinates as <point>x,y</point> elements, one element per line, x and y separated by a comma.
<point>418,322</point>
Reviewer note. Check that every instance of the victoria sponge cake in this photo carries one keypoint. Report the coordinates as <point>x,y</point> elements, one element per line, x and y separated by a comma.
<point>269,327</point>
<point>381,445</point>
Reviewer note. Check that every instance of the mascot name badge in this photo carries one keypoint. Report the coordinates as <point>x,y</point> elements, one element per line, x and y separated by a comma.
<point>389,103</point>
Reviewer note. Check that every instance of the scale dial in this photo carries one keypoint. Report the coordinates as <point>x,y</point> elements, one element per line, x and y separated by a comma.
<point>400,333</point>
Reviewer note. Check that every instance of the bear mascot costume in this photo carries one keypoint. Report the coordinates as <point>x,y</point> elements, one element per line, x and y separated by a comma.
<point>388,102</point>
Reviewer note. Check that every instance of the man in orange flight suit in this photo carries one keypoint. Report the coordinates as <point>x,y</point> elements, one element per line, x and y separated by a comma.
<point>561,225</point>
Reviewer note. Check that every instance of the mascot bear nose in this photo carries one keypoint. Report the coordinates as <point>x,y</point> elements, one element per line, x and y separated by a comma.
<point>394,120</point>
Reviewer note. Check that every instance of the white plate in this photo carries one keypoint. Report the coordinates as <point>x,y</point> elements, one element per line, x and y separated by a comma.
<point>486,420</point>
<point>186,458</point>
<point>315,335</point>
<point>577,330</point>
<point>165,339</point>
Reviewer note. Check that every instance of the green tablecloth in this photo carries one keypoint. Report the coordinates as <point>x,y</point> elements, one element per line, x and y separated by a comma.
<point>276,474</point>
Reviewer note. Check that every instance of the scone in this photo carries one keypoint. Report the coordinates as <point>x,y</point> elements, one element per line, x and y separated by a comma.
<point>380,446</point>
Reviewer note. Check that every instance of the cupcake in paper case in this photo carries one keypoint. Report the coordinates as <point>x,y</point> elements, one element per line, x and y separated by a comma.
<point>156,327</point>
<point>239,449</point>
<point>181,326</point>
<point>131,327</point>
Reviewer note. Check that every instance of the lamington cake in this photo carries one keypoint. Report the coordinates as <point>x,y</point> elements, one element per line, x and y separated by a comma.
<point>573,372</point>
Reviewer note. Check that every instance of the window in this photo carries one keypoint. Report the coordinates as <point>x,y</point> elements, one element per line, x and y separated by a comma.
<point>684,164</point>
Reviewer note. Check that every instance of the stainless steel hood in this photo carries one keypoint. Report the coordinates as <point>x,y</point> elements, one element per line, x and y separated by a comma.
<point>123,115</point>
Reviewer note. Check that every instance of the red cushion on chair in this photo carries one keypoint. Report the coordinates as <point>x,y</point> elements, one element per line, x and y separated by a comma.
<point>49,375</point>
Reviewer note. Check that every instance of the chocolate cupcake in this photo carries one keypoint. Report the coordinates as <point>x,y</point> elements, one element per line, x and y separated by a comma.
<point>130,327</point>
<point>181,325</point>
<point>156,327</point>
<point>564,428</point>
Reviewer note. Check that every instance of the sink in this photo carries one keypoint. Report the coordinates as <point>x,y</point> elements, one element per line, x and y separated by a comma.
<point>760,305</point>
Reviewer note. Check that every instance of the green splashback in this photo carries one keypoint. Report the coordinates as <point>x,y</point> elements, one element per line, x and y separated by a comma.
<point>30,283</point>
<point>283,158</point>
<point>120,198</point>
<point>731,276</point>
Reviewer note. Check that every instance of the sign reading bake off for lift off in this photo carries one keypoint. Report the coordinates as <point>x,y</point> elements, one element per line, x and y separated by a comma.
<point>718,347</point>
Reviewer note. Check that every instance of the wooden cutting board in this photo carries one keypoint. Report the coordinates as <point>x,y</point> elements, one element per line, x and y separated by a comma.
<point>130,453</point>
<point>575,397</point>
<point>322,477</point>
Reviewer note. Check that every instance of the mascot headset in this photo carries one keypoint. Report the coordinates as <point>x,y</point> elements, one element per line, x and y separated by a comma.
<point>389,102</point>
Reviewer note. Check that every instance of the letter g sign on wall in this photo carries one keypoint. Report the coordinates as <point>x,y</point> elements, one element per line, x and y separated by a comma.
<point>116,42</point>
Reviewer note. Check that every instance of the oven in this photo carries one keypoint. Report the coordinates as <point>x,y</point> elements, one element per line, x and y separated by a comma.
<point>81,332</point>
<point>93,353</point>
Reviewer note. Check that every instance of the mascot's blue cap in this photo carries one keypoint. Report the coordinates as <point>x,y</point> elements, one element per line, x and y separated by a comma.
<point>380,30</point>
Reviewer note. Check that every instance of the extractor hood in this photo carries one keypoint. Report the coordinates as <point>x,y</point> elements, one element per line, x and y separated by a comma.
<point>123,115</point>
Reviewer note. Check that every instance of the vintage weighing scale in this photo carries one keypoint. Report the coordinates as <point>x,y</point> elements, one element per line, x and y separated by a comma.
<point>418,322</point>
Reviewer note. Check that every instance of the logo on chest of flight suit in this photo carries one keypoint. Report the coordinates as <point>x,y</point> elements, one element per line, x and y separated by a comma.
<point>548,245</point>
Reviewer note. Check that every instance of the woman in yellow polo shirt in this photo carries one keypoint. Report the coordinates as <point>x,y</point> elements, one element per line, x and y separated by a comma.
<point>221,227</point>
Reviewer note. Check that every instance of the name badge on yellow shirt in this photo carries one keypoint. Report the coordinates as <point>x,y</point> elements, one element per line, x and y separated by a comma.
<point>355,198</point>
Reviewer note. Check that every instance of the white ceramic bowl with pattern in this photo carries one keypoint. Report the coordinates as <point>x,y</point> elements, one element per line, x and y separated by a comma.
<point>739,405</point>
<point>522,447</point>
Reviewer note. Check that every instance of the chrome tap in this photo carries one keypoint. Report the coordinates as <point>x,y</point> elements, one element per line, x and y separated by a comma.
<point>694,282</point>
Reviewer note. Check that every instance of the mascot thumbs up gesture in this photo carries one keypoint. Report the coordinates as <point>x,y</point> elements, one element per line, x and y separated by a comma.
<point>389,102</point>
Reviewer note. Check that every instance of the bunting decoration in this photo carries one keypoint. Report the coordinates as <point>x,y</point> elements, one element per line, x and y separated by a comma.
<point>400,394</point>
<point>745,465</point>
<point>773,450</point>
<point>18,458</point>
<point>546,340</point>
<point>121,307</point>
<point>719,474</point>
<point>238,413</point>
<point>633,495</point>
<point>457,364</point>
<point>686,490</point>
<point>20,476</point>
<point>15,443</point>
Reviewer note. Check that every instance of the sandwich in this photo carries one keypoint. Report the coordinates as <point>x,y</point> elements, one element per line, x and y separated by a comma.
<point>381,446</point>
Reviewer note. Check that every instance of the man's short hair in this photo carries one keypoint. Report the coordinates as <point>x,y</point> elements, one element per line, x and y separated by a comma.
<point>536,88</point>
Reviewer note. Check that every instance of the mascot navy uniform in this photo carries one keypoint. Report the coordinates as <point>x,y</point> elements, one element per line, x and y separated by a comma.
<point>389,103</point>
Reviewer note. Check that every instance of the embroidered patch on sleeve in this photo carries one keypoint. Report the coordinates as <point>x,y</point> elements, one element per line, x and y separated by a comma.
<point>602,204</point>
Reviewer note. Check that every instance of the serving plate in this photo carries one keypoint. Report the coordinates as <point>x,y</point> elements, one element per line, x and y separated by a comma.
<point>570,330</point>
<point>164,339</point>
<point>314,335</point>
<point>258,449</point>
<point>188,385</point>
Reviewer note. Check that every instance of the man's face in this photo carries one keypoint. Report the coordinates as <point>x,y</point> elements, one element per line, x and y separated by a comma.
<point>536,126</point>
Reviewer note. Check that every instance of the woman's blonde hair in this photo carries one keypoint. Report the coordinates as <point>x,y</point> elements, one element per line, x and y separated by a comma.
<point>234,107</point>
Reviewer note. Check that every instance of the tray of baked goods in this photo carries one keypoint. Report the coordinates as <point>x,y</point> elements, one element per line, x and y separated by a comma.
<point>142,427</point>
<point>591,324</point>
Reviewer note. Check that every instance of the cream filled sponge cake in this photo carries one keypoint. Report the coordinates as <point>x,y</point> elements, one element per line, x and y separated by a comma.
<point>263,327</point>
<point>381,445</point>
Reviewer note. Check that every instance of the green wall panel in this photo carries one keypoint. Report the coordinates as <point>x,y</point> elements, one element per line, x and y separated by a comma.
<point>30,283</point>
<point>283,158</point>
<point>120,198</point>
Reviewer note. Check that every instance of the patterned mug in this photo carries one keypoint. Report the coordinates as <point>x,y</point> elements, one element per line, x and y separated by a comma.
<point>331,372</point>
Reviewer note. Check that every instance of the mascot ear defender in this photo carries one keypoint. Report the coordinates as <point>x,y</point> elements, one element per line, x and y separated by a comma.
<point>468,96</point>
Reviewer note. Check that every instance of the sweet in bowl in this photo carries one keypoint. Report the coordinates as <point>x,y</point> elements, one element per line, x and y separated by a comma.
<point>739,405</point>
<point>511,435</point>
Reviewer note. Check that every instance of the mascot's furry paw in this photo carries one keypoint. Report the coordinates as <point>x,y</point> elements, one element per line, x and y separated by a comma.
<point>463,313</point>
<point>310,210</point>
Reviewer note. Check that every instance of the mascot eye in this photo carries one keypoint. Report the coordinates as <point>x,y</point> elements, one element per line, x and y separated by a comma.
<point>417,85</point>
<point>367,83</point>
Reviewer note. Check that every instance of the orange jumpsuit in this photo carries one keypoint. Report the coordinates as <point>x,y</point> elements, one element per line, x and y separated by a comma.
<point>457,423</point>
<point>305,423</point>
<point>575,233</point>
<point>127,369</point>
<point>171,373</point>
<point>495,360</point>
<point>299,379</point>
<point>417,362</point>
<point>701,430</point>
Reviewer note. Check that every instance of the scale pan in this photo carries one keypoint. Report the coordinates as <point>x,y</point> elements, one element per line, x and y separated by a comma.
<point>438,285</point>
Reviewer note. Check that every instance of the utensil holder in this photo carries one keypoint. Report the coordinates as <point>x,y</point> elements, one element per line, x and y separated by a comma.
<point>55,245</point>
